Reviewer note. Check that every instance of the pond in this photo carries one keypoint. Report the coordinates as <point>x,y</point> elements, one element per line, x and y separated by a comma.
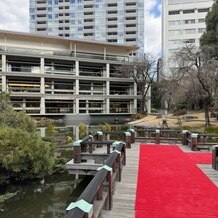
<point>47,198</point>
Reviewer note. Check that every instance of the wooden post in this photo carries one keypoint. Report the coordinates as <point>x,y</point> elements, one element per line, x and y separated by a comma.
<point>100,193</point>
<point>119,167</point>
<point>77,151</point>
<point>157,136</point>
<point>194,141</point>
<point>184,137</point>
<point>128,139</point>
<point>215,157</point>
<point>110,194</point>
<point>100,137</point>
<point>108,149</point>
<point>132,131</point>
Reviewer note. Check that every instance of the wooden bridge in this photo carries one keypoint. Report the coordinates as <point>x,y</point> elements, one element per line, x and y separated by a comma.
<point>114,164</point>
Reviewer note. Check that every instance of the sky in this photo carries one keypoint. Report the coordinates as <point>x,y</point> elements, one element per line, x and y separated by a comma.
<point>14,16</point>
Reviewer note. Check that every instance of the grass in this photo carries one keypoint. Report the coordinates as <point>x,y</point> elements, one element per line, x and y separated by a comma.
<point>176,121</point>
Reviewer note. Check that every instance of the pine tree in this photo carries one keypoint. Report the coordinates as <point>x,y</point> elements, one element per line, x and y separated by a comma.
<point>210,36</point>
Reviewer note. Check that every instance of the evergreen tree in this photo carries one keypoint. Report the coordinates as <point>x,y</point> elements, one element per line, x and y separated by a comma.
<point>210,36</point>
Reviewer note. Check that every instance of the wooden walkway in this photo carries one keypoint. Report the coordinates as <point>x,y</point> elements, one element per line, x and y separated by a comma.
<point>124,197</point>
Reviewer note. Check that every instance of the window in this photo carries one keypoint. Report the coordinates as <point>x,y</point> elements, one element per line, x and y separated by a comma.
<point>188,11</point>
<point>130,25</point>
<point>174,32</point>
<point>112,33</point>
<point>189,21</point>
<point>130,3</point>
<point>112,12</point>
<point>201,30</point>
<point>112,40</point>
<point>131,40</point>
<point>112,26</point>
<point>174,12</point>
<point>174,22</point>
<point>189,31</point>
<point>130,32</point>
<point>112,5</point>
<point>203,10</point>
<point>112,19</point>
<point>174,42</point>
<point>188,40</point>
<point>130,18</point>
<point>202,20</point>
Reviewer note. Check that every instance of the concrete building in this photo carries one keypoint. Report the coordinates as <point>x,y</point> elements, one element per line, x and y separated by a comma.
<point>183,22</point>
<point>54,76</point>
<point>105,20</point>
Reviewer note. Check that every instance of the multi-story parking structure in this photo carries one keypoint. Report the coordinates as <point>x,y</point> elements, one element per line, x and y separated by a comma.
<point>103,20</point>
<point>55,76</point>
<point>183,22</point>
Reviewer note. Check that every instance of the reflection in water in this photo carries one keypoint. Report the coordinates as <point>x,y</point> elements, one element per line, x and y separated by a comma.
<point>42,199</point>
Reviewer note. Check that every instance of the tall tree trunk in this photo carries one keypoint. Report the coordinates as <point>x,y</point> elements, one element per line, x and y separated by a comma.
<point>206,113</point>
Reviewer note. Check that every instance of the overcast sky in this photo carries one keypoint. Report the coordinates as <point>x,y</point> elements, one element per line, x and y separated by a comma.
<point>14,16</point>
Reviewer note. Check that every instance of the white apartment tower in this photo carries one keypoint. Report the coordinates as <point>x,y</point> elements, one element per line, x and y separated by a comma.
<point>183,22</point>
<point>102,20</point>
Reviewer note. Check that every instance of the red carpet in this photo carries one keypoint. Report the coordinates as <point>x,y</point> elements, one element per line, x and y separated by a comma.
<point>170,185</point>
<point>200,158</point>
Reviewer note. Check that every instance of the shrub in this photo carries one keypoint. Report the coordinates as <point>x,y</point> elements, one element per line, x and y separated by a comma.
<point>180,112</point>
<point>211,129</point>
<point>25,155</point>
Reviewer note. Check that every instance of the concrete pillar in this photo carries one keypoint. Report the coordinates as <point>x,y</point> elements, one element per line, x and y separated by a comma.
<point>3,63</point>
<point>42,65</point>
<point>77,68</point>
<point>194,141</point>
<point>157,136</point>
<point>4,84</point>
<point>42,85</point>
<point>107,70</point>
<point>42,106</point>
<point>77,105</point>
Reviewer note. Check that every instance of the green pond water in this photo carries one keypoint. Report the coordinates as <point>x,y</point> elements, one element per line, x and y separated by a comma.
<point>47,198</point>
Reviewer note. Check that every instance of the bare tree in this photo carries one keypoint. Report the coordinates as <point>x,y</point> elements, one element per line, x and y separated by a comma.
<point>143,71</point>
<point>201,72</point>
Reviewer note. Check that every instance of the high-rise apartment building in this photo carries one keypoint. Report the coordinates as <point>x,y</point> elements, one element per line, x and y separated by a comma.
<point>183,22</point>
<point>102,20</point>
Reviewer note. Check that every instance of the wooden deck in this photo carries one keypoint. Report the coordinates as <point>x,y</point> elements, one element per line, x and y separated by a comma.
<point>124,197</point>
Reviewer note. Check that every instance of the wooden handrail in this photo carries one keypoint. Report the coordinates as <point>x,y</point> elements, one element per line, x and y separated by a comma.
<point>92,189</point>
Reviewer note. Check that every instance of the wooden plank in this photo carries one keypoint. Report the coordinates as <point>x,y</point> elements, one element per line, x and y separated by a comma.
<point>124,197</point>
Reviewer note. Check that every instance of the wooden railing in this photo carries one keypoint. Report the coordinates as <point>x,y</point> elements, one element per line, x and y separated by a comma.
<point>195,141</point>
<point>98,194</point>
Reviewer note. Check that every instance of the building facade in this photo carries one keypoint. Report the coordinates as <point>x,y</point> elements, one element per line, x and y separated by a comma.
<point>102,20</point>
<point>55,76</point>
<point>183,22</point>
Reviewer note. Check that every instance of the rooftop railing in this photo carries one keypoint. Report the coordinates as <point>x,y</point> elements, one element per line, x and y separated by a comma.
<point>84,55</point>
